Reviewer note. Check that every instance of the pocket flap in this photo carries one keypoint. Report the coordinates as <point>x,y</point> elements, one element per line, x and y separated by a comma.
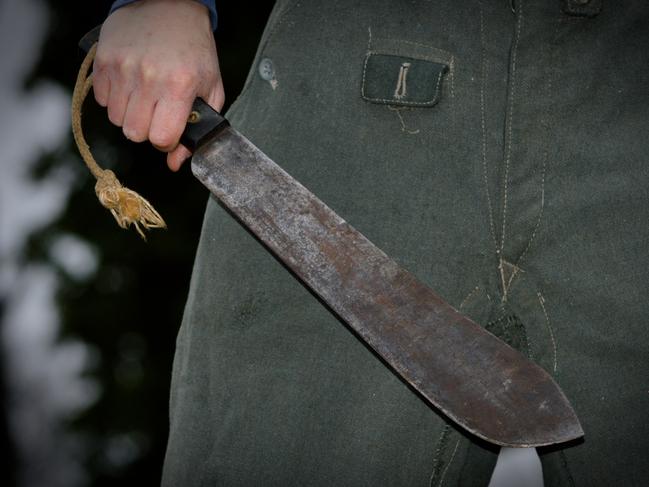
<point>401,80</point>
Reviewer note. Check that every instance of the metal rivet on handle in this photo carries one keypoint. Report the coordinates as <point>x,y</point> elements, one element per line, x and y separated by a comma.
<point>194,117</point>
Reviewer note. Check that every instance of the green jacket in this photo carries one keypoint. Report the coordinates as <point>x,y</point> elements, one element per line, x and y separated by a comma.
<point>510,174</point>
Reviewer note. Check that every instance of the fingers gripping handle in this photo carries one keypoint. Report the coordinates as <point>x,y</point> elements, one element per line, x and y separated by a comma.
<point>204,122</point>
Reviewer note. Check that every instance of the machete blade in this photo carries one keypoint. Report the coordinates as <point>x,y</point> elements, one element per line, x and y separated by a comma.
<point>474,378</point>
<point>478,381</point>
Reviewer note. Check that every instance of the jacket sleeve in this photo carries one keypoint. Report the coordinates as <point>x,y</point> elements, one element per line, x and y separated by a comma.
<point>210,4</point>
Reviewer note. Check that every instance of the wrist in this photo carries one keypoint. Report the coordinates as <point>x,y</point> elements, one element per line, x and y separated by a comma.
<point>210,5</point>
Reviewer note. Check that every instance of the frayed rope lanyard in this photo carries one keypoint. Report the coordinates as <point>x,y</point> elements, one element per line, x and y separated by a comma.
<point>126,205</point>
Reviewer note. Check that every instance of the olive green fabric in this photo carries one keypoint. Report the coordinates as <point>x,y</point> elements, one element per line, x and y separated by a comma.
<point>520,196</point>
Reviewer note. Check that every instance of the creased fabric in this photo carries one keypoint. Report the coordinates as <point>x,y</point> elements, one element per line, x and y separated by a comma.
<point>520,196</point>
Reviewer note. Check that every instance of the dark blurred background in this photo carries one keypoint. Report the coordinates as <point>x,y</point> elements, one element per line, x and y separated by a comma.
<point>88,312</point>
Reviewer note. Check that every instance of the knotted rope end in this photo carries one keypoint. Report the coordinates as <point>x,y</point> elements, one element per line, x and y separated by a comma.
<point>126,206</point>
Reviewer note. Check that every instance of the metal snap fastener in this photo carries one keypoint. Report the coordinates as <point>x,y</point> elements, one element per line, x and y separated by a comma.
<point>266,69</point>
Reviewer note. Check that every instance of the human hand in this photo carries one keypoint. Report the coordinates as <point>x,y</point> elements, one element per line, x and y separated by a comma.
<point>154,58</point>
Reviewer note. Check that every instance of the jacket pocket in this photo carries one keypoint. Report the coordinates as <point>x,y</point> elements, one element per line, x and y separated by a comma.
<point>402,73</point>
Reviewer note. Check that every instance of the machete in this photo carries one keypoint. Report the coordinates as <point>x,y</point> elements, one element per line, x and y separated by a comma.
<point>474,378</point>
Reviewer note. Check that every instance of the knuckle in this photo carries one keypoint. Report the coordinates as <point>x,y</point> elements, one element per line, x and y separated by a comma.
<point>125,65</point>
<point>149,72</point>
<point>182,84</point>
<point>101,62</point>
<point>113,63</point>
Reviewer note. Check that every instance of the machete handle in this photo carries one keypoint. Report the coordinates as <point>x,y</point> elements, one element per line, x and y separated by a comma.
<point>89,39</point>
<point>203,122</point>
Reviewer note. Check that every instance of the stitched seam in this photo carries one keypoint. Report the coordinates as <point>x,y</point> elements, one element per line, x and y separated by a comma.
<point>546,125</point>
<point>367,58</point>
<point>441,480</point>
<point>469,296</point>
<point>405,42</point>
<point>440,52</point>
<point>389,51</point>
<point>540,215</point>
<point>564,464</point>
<point>528,340</point>
<point>510,116</point>
<point>516,269</point>
<point>548,326</point>
<point>441,447</point>
<point>451,75</point>
<point>483,124</point>
<point>405,129</point>
<point>550,331</point>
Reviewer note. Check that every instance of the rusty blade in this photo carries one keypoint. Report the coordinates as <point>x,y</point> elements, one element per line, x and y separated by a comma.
<point>477,380</point>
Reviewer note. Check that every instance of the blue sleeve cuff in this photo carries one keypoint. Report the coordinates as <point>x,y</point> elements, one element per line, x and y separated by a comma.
<point>210,4</point>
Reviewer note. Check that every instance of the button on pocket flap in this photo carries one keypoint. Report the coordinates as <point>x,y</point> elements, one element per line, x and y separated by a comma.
<point>401,80</point>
